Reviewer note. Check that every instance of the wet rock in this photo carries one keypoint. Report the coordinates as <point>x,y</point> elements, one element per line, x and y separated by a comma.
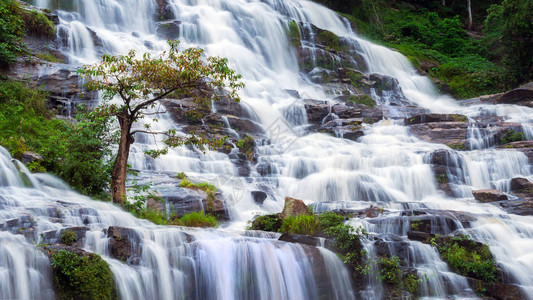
<point>293,207</point>
<point>346,112</point>
<point>259,196</point>
<point>245,126</point>
<point>451,133</point>
<point>518,207</point>
<point>293,93</point>
<point>183,201</point>
<point>264,168</point>
<point>124,244</point>
<point>168,29</point>
<point>392,245</point>
<point>497,290</point>
<point>520,96</point>
<point>522,187</point>
<point>300,239</point>
<point>435,118</point>
<point>419,236</point>
<point>489,195</point>
<point>316,110</point>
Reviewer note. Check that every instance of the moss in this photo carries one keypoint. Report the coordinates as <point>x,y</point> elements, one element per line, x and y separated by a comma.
<point>47,56</point>
<point>38,24</point>
<point>208,188</point>
<point>330,40</point>
<point>82,277</point>
<point>457,146</point>
<point>68,237</point>
<point>362,100</point>
<point>459,118</point>
<point>181,176</point>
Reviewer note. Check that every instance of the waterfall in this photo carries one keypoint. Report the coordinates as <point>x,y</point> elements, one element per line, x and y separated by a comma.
<point>387,167</point>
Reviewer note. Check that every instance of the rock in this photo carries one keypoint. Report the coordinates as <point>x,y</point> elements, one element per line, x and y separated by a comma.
<point>293,93</point>
<point>300,239</point>
<point>293,207</point>
<point>522,187</point>
<point>124,244</point>
<point>316,112</point>
<point>520,96</point>
<point>29,157</point>
<point>489,195</point>
<point>259,196</point>
<point>245,126</point>
<point>444,129</point>
<point>264,168</point>
<point>518,207</point>
<point>183,201</point>
<point>346,112</point>
<point>419,236</point>
<point>168,29</point>
<point>498,290</point>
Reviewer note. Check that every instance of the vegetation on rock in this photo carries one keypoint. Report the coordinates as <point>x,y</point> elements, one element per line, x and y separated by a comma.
<point>82,277</point>
<point>11,31</point>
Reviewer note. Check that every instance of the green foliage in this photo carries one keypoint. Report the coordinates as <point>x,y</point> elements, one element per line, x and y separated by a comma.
<point>38,24</point>
<point>74,151</point>
<point>82,277</point>
<point>294,33</point>
<point>348,244</point>
<point>512,136</point>
<point>303,224</point>
<point>469,258</point>
<point>266,223</point>
<point>197,219</point>
<point>442,179</point>
<point>457,146</point>
<point>181,176</point>
<point>362,100</point>
<point>47,56</point>
<point>68,237</point>
<point>11,31</point>
<point>330,219</point>
<point>204,186</point>
<point>246,146</point>
<point>411,283</point>
<point>389,270</point>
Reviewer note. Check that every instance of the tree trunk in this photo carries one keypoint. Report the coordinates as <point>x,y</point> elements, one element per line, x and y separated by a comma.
<point>469,4</point>
<point>443,2</point>
<point>118,177</point>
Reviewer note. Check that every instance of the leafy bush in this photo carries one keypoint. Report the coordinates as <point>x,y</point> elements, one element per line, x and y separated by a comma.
<point>303,224</point>
<point>389,270</point>
<point>82,277</point>
<point>266,223</point>
<point>77,151</point>
<point>197,219</point>
<point>11,31</point>
<point>330,219</point>
<point>469,258</point>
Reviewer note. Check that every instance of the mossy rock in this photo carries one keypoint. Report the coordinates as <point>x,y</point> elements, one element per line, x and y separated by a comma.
<point>80,275</point>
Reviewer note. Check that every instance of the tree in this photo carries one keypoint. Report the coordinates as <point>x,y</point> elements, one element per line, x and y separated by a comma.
<point>139,83</point>
<point>469,8</point>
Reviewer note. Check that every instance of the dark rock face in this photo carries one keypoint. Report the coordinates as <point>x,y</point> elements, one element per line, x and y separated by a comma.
<point>520,96</point>
<point>300,239</point>
<point>498,290</point>
<point>522,187</point>
<point>489,195</point>
<point>259,196</point>
<point>168,29</point>
<point>124,244</point>
<point>518,207</point>
<point>184,201</point>
<point>293,207</point>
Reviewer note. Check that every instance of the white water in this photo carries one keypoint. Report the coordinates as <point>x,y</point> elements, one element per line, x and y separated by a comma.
<point>387,166</point>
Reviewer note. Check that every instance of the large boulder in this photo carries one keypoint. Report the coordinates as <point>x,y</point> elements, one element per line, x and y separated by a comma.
<point>440,128</point>
<point>520,96</point>
<point>489,195</point>
<point>522,187</point>
<point>293,207</point>
<point>124,244</point>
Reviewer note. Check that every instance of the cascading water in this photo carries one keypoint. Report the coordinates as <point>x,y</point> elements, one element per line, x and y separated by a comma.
<point>387,166</point>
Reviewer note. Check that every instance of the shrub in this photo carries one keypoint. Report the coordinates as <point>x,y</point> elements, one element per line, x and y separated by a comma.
<point>512,136</point>
<point>389,270</point>
<point>294,33</point>
<point>266,223</point>
<point>82,277</point>
<point>411,283</point>
<point>330,219</point>
<point>303,224</point>
<point>11,31</point>
<point>197,219</point>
